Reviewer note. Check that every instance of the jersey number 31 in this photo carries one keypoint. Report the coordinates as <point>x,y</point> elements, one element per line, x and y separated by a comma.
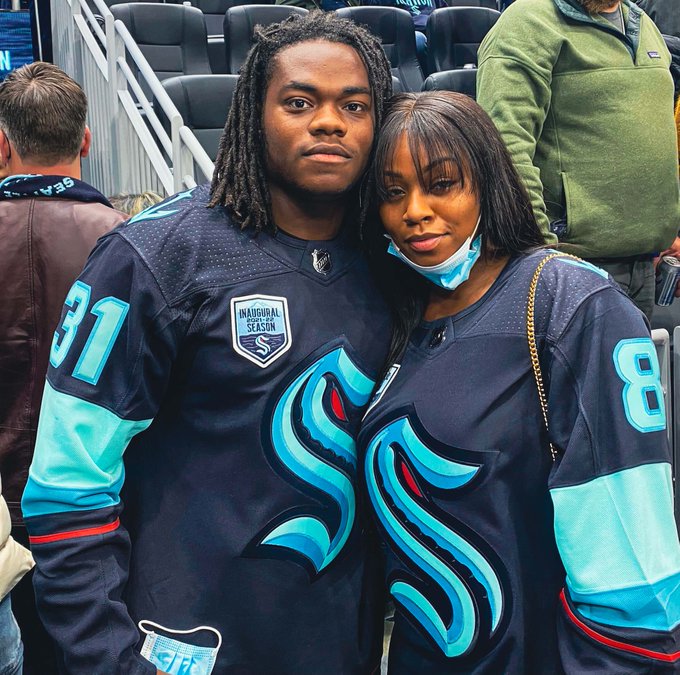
<point>110,313</point>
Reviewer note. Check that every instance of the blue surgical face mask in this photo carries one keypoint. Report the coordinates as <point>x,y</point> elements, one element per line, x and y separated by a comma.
<point>453,271</point>
<point>175,657</point>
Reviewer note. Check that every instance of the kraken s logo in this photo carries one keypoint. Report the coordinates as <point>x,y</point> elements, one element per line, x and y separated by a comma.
<point>455,594</point>
<point>262,344</point>
<point>311,443</point>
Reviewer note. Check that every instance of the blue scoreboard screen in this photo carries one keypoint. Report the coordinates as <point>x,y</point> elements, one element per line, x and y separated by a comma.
<point>16,43</point>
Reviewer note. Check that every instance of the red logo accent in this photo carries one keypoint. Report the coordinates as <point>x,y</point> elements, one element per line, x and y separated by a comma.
<point>336,404</point>
<point>410,480</point>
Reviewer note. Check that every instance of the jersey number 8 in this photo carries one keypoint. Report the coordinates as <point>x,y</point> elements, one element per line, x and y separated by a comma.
<point>110,313</point>
<point>637,365</point>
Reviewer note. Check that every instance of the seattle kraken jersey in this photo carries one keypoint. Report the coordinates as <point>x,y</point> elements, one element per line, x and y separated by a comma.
<point>482,529</point>
<point>213,383</point>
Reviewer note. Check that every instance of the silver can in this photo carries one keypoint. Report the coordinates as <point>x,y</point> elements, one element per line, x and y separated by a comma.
<point>667,275</point>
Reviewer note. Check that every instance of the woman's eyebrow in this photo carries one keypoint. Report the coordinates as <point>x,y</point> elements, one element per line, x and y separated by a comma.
<point>441,160</point>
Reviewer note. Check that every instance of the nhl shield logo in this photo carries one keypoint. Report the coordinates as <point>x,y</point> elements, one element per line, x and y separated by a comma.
<point>321,261</point>
<point>260,328</point>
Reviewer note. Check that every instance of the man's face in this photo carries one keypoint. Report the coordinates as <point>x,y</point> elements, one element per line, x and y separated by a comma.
<point>597,6</point>
<point>318,119</point>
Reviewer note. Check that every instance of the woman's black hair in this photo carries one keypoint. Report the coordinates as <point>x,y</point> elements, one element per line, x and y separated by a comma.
<point>239,182</point>
<point>445,125</point>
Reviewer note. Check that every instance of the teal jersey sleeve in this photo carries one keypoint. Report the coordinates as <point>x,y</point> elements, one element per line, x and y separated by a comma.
<point>612,494</point>
<point>111,357</point>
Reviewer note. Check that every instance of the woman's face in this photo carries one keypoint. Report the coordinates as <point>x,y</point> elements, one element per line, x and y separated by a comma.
<point>428,224</point>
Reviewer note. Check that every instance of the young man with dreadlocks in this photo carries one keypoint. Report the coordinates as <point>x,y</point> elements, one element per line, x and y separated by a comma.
<point>229,352</point>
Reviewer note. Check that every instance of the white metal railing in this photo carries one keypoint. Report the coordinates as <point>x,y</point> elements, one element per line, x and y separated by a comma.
<point>669,366</point>
<point>676,418</point>
<point>662,343</point>
<point>131,149</point>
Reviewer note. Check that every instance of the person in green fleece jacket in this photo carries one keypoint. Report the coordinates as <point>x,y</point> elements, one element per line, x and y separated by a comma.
<point>582,94</point>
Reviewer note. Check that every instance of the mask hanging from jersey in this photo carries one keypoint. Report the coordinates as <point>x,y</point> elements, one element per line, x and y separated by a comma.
<point>453,271</point>
<point>175,657</point>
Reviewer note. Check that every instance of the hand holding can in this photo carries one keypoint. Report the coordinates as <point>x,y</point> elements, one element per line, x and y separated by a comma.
<point>667,276</point>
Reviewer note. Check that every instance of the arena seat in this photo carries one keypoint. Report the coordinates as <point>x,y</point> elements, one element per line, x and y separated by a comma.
<point>239,28</point>
<point>491,4</point>
<point>214,11</point>
<point>204,102</point>
<point>395,29</point>
<point>461,80</point>
<point>454,35</point>
<point>110,3</point>
<point>172,37</point>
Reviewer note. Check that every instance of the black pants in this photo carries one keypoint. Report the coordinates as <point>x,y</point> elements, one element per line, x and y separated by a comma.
<point>39,656</point>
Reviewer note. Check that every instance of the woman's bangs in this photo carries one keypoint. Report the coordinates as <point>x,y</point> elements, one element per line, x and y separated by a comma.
<point>436,143</point>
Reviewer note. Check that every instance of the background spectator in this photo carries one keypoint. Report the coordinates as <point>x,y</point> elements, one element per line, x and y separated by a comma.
<point>664,13</point>
<point>132,204</point>
<point>420,11</point>
<point>608,191</point>
<point>49,222</point>
<point>673,44</point>
<point>15,561</point>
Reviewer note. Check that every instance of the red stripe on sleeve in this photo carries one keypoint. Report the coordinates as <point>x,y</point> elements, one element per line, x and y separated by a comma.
<point>659,656</point>
<point>74,534</point>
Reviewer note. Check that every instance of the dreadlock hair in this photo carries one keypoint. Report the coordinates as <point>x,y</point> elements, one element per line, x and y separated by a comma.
<point>239,182</point>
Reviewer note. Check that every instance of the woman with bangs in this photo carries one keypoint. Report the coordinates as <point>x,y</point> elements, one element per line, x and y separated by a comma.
<point>515,455</point>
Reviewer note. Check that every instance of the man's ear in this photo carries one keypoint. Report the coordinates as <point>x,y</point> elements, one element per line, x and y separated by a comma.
<point>5,151</point>
<point>87,141</point>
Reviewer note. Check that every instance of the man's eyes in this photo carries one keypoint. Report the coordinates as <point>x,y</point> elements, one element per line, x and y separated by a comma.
<point>298,103</point>
<point>304,104</point>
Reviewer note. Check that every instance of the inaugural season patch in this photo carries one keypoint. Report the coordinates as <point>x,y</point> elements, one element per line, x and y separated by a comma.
<point>260,328</point>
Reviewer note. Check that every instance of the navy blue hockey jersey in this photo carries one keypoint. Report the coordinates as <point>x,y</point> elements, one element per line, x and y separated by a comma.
<point>211,382</point>
<point>482,528</point>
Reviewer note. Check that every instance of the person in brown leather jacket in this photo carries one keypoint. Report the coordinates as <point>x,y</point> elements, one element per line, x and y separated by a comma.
<point>49,223</point>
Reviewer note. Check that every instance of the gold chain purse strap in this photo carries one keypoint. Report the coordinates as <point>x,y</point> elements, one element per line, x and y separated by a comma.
<point>531,337</point>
